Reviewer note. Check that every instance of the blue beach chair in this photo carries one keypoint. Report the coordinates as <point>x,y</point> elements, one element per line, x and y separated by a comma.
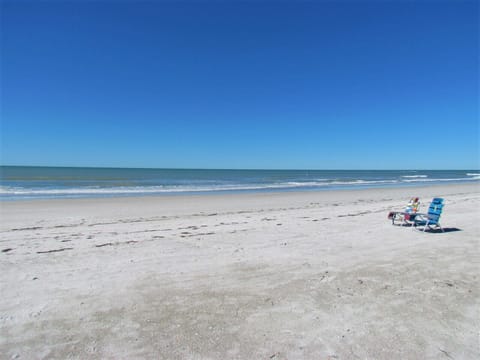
<point>431,220</point>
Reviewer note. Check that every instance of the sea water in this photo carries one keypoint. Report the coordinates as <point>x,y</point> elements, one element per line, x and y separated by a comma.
<point>25,182</point>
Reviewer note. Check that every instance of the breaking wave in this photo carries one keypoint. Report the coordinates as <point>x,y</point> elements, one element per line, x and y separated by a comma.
<point>132,183</point>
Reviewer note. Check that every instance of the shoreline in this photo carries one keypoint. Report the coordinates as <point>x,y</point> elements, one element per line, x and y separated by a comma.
<point>242,191</point>
<point>201,194</point>
<point>26,183</point>
<point>289,275</point>
<point>239,198</point>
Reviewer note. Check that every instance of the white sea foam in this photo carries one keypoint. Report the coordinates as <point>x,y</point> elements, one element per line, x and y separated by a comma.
<point>443,180</point>
<point>149,189</point>
<point>301,183</point>
<point>363,182</point>
<point>13,192</point>
<point>18,191</point>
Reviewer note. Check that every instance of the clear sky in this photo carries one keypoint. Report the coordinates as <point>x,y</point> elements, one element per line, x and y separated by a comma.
<point>253,84</point>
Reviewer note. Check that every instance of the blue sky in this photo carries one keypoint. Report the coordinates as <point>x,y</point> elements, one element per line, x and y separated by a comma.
<point>294,85</point>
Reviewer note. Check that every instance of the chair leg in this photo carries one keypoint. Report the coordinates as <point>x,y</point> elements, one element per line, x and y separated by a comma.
<point>425,227</point>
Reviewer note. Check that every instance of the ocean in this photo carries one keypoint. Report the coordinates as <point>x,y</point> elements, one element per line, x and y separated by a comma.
<point>26,182</point>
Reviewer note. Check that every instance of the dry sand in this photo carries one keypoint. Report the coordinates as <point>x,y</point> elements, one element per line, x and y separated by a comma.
<point>310,275</point>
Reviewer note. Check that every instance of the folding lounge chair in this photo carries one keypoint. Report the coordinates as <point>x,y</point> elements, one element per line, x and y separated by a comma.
<point>406,216</point>
<point>431,220</point>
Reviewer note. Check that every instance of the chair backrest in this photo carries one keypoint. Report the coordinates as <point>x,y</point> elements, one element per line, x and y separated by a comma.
<point>435,209</point>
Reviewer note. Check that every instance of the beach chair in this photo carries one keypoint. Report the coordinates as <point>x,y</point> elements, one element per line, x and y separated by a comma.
<point>431,220</point>
<point>407,216</point>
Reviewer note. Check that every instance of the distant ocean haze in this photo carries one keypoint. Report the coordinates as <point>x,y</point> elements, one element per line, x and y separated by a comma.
<point>27,182</point>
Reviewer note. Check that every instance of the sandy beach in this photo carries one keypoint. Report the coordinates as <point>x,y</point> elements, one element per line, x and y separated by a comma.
<point>293,275</point>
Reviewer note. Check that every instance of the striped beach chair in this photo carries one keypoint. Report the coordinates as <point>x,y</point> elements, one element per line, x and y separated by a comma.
<point>431,220</point>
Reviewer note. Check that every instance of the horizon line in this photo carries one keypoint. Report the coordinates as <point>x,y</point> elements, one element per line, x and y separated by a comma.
<point>230,169</point>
